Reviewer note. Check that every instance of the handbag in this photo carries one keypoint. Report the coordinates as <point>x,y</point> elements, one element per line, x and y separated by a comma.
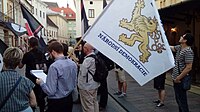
<point>9,93</point>
<point>186,80</point>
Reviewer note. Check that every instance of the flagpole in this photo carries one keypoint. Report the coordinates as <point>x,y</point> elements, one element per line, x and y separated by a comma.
<point>86,26</point>
<point>70,53</point>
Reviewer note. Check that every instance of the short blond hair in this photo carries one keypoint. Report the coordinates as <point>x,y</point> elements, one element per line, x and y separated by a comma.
<point>12,57</point>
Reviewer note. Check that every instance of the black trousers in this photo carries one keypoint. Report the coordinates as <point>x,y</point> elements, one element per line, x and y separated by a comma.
<point>40,95</point>
<point>103,92</point>
<point>60,105</point>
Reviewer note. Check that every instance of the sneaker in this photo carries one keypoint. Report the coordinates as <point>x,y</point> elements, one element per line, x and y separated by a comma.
<point>122,95</point>
<point>160,105</point>
<point>117,93</point>
<point>156,101</point>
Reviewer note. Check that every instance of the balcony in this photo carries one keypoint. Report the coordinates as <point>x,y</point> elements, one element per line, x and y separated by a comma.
<point>5,18</point>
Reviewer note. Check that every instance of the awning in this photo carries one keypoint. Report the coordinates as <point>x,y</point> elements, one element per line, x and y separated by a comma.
<point>181,7</point>
<point>181,11</point>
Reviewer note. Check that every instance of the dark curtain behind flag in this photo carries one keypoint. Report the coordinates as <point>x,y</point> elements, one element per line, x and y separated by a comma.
<point>42,44</point>
<point>3,47</point>
<point>84,20</point>
<point>17,30</point>
<point>32,21</point>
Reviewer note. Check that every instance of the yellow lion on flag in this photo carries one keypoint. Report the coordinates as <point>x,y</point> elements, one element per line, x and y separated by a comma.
<point>142,26</point>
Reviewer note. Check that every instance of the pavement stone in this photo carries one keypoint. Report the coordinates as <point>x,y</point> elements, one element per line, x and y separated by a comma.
<point>139,98</point>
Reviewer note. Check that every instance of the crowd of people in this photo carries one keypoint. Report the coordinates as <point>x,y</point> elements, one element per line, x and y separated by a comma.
<point>69,73</point>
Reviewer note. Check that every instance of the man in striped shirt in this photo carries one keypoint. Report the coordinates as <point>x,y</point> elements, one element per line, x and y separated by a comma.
<point>183,63</point>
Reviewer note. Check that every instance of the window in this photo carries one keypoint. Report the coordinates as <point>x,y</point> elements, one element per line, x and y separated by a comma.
<point>1,6</point>
<point>70,15</point>
<point>44,32</point>
<point>35,11</point>
<point>91,13</point>
<point>50,33</point>
<point>43,15</point>
<point>40,13</point>
<point>10,14</point>
<point>91,2</point>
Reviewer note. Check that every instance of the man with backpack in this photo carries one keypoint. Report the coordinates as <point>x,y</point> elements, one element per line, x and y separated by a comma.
<point>87,86</point>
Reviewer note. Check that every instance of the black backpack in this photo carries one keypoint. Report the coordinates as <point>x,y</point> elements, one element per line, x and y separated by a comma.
<point>101,71</point>
<point>109,63</point>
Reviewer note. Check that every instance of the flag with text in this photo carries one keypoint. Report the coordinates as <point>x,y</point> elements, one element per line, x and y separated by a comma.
<point>130,33</point>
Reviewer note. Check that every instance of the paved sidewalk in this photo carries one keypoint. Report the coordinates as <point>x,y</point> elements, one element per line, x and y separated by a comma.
<point>139,98</point>
<point>112,106</point>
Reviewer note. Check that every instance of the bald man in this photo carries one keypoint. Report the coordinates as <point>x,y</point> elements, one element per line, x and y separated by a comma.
<point>87,86</point>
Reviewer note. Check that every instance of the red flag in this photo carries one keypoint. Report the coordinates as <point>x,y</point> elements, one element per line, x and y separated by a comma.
<point>33,24</point>
<point>30,33</point>
<point>84,20</point>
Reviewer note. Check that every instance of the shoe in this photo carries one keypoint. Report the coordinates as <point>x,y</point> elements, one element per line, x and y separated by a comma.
<point>117,93</point>
<point>160,105</point>
<point>122,95</point>
<point>156,101</point>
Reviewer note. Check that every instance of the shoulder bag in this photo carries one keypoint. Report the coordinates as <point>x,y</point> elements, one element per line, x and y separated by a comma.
<point>9,93</point>
<point>186,80</point>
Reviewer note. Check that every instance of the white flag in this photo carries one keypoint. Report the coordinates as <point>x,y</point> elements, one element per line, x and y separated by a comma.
<point>130,33</point>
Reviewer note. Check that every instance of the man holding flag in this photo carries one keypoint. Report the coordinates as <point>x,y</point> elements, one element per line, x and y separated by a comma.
<point>36,44</point>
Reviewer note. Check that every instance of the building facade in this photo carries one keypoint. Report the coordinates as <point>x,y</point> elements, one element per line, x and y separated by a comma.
<point>70,16</point>
<point>93,9</point>
<point>61,22</point>
<point>179,16</point>
<point>11,12</point>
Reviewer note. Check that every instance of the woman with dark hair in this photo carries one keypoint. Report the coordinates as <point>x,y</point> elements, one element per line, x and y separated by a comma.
<point>22,96</point>
<point>183,65</point>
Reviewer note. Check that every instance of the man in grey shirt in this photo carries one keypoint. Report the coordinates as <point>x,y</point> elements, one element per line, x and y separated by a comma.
<point>61,80</point>
<point>87,86</point>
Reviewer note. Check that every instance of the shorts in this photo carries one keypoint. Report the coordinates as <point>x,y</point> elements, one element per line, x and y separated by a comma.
<point>120,76</point>
<point>159,82</point>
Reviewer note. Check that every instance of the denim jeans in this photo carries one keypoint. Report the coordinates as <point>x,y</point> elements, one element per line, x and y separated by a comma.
<point>181,97</point>
<point>27,110</point>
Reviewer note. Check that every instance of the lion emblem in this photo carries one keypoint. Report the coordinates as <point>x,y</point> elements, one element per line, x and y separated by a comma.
<point>143,28</point>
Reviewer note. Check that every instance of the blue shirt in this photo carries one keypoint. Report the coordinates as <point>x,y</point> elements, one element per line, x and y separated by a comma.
<point>61,78</point>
